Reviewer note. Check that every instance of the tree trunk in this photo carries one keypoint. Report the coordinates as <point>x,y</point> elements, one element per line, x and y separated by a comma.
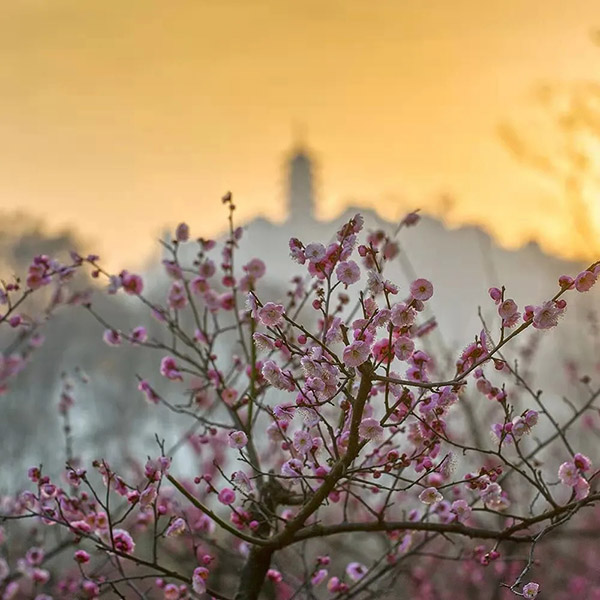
<point>254,573</point>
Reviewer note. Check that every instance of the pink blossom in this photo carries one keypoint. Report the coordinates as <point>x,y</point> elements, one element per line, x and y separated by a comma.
<point>199,285</point>
<point>199,578</point>
<point>229,396</point>
<point>171,592</point>
<point>581,488</point>
<point>173,269</point>
<point>462,510</point>
<point>584,281</point>
<point>411,219</point>
<point>421,289</point>
<point>122,541</point>
<point>370,429</point>
<point>271,314</point>
<point>356,571</point>
<point>402,316</point>
<point>568,473</point>
<point>375,282</point>
<point>292,468</point>
<point>319,577</point>
<point>148,496</point>
<point>276,377</point>
<point>151,395</point>
<point>132,284</point>
<point>34,555</point>
<point>255,268</point>
<point>207,269</point>
<point>237,439</point>
<point>315,252</point>
<point>182,233</point>
<point>566,281</point>
<point>356,353</point>
<point>112,337</point>
<point>546,316</point>
<point>242,481</point>
<point>263,342</point>
<point>226,496</point>
<point>430,495</point>
<point>81,556</point>
<point>274,575</point>
<point>139,335</point>
<point>531,590</point>
<point>495,294</point>
<point>169,369</point>
<point>348,272</point>
<point>582,462</point>
<point>176,528</point>
<point>302,442</point>
<point>177,296</point>
<point>507,308</point>
<point>403,348</point>
<point>297,251</point>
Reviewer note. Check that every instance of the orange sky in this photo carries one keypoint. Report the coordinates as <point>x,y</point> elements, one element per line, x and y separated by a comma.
<point>120,117</point>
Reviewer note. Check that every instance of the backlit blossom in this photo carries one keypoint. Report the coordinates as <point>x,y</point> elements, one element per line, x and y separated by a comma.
<point>177,527</point>
<point>531,590</point>
<point>315,252</point>
<point>242,481</point>
<point>199,578</point>
<point>263,342</point>
<point>356,571</point>
<point>430,496</point>
<point>271,314</point>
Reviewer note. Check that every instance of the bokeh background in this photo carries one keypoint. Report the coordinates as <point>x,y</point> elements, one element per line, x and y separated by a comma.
<point>119,118</point>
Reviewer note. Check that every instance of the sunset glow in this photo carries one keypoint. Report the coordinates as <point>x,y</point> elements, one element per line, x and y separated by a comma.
<point>120,118</point>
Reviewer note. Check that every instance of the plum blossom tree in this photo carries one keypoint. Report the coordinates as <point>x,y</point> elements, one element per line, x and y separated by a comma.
<point>313,419</point>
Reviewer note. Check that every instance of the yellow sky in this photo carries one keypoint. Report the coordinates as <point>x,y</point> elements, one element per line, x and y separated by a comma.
<point>118,117</point>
